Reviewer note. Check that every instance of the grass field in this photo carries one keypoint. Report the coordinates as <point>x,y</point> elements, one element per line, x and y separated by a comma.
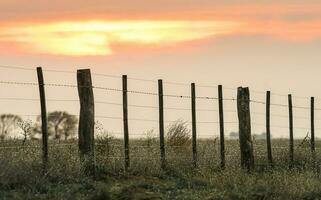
<point>21,177</point>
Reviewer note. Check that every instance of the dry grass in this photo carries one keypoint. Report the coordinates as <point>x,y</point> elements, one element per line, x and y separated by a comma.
<point>20,172</point>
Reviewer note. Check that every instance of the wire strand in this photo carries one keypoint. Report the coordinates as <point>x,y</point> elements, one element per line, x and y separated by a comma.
<point>11,67</point>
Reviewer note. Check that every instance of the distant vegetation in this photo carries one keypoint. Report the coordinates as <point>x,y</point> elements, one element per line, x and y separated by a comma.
<point>8,123</point>
<point>21,167</point>
<point>61,125</point>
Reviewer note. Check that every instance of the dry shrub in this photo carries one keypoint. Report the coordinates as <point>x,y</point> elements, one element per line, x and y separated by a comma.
<point>150,139</point>
<point>178,134</point>
<point>178,145</point>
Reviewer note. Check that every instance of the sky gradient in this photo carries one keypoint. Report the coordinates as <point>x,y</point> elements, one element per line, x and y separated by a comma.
<point>266,45</point>
<point>97,28</point>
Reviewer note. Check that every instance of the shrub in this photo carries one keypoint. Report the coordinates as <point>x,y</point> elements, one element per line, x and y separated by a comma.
<point>178,134</point>
<point>150,139</point>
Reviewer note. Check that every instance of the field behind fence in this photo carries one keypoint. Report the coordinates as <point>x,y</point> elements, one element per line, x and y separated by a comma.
<point>213,113</point>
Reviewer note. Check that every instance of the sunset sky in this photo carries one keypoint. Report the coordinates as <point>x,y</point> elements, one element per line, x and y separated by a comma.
<point>266,45</point>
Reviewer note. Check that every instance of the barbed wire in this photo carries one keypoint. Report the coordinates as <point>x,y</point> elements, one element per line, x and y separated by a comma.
<point>106,88</point>
<point>283,105</point>
<point>35,99</point>
<point>143,106</point>
<point>283,116</point>
<point>19,83</point>
<point>138,92</point>
<point>285,127</point>
<point>110,103</point>
<point>156,107</point>
<point>149,93</point>
<point>136,79</point>
<point>131,133</point>
<point>17,67</point>
<point>144,80</point>
<point>157,121</point>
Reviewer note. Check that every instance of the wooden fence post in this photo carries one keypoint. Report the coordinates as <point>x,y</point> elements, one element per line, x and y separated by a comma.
<point>161,124</point>
<point>268,127</point>
<point>86,121</point>
<point>246,145</point>
<point>291,150</point>
<point>194,137</point>
<point>125,121</point>
<point>312,132</point>
<point>44,125</point>
<point>221,118</point>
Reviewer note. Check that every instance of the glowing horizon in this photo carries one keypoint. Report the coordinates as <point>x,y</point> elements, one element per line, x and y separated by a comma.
<point>99,29</point>
<point>96,37</point>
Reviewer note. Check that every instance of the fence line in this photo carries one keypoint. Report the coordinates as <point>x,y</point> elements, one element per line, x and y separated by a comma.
<point>244,107</point>
<point>150,93</point>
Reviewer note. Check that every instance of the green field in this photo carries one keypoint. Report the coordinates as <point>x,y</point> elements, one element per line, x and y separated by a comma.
<point>21,177</point>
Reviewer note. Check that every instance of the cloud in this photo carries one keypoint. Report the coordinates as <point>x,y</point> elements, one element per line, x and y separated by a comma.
<point>82,38</point>
<point>97,28</point>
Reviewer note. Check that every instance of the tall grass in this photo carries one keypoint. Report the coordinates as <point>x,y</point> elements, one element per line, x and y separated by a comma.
<point>21,177</point>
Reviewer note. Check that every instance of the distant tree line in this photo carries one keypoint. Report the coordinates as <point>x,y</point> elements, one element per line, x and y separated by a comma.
<point>61,125</point>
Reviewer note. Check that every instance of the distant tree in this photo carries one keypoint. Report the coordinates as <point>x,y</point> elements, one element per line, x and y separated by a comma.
<point>8,123</point>
<point>69,126</point>
<point>55,119</point>
<point>27,129</point>
<point>36,128</point>
<point>61,123</point>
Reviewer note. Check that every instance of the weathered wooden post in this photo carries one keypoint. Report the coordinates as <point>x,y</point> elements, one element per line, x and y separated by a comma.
<point>268,127</point>
<point>291,146</point>
<point>221,118</point>
<point>86,121</point>
<point>246,145</point>
<point>125,121</point>
<point>194,137</point>
<point>161,124</point>
<point>44,126</point>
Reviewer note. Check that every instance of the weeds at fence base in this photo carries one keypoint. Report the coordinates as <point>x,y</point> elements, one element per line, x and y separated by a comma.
<point>21,178</point>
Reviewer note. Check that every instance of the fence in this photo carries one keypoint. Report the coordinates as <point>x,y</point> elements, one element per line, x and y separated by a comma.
<point>87,116</point>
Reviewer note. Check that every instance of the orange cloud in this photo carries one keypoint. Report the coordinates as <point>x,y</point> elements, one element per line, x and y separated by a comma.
<point>82,38</point>
<point>85,29</point>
